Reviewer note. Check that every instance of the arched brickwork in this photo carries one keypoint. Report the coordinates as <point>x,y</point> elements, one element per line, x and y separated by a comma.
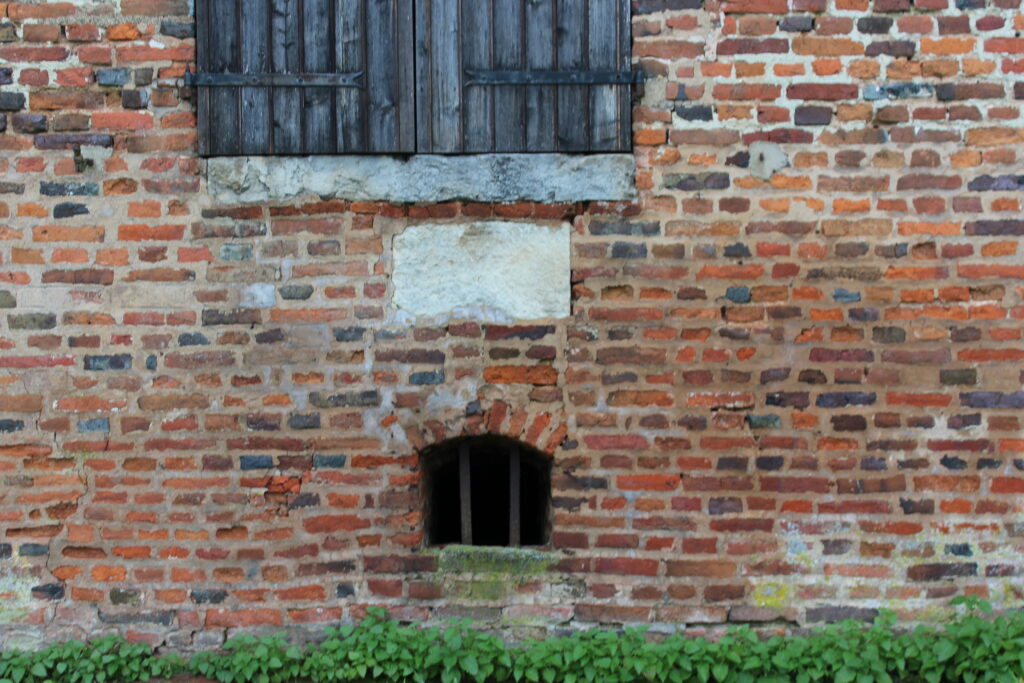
<point>541,429</point>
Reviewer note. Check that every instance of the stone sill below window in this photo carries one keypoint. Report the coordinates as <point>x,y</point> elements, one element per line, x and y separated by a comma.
<point>481,559</point>
<point>425,178</point>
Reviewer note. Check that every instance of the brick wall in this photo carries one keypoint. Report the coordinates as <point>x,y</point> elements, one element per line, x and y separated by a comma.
<point>787,393</point>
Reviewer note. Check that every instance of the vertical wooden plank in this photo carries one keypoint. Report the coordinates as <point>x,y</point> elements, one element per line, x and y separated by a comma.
<point>570,24</point>
<point>509,55</point>
<point>540,56</point>
<point>514,486</point>
<point>256,59</point>
<point>447,77</point>
<point>476,33</point>
<point>424,88</point>
<point>465,495</point>
<point>225,122</point>
<point>381,81</point>
<point>405,57</point>
<point>318,57</point>
<point>388,70</point>
<point>625,93</point>
<point>603,49</point>
<point>287,125</point>
<point>202,95</point>
<point>439,77</point>
<point>350,47</point>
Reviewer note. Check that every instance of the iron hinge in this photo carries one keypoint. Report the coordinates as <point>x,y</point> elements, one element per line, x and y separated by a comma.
<point>475,77</point>
<point>230,80</point>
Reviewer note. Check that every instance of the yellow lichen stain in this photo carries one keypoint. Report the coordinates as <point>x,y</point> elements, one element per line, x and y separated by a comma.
<point>1013,595</point>
<point>772,594</point>
<point>15,590</point>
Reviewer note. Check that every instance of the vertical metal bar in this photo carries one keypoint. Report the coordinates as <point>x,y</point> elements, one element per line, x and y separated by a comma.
<point>465,495</point>
<point>514,516</point>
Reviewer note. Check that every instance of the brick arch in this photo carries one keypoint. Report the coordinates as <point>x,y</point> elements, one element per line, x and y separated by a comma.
<point>543,430</point>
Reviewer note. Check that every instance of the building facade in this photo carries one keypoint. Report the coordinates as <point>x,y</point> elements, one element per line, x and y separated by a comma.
<point>775,366</point>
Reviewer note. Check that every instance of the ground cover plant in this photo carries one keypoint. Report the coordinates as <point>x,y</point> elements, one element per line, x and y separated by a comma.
<point>973,647</point>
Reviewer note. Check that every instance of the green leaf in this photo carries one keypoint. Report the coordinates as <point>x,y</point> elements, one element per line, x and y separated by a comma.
<point>845,675</point>
<point>944,649</point>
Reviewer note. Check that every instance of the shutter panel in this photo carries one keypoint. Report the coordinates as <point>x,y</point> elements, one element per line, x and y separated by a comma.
<point>388,96</point>
<point>572,118</point>
<point>509,53</point>
<point>523,76</point>
<point>439,52</point>
<point>319,131</point>
<point>222,43</point>
<point>540,100</point>
<point>256,124</point>
<point>286,113</point>
<point>305,77</point>
<point>603,53</point>
<point>478,103</point>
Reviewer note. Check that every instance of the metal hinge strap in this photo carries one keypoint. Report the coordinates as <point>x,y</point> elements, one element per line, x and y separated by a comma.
<point>226,80</point>
<point>474,77</point>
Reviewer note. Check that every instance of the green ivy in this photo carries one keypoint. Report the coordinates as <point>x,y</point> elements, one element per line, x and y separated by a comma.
<point>109,659</point>
<point>975,647</point>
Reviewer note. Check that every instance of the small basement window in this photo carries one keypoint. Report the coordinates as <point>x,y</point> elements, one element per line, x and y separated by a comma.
<point>486,491</point>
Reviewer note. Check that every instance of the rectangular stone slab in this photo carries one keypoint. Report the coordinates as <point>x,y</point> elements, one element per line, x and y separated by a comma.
<point>551,178</point>
<point>516,270</point>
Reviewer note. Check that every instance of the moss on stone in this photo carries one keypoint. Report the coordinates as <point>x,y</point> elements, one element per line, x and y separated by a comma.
<point>514,562</point>
<point>489,573</point>
<point>489,589</point>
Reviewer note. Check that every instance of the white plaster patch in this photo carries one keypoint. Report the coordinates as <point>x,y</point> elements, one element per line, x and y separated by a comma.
<point>520,270</point>
<point>425,178</point>
<point>260,295</point>
<point>766,158</point>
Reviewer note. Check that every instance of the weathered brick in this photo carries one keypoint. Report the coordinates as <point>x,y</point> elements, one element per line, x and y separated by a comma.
<point>826,350</point>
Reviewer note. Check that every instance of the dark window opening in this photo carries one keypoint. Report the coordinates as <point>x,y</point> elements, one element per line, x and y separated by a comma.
<point>486,491</point>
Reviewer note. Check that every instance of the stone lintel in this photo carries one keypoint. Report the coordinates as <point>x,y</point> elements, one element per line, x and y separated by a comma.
<point>423,178</point>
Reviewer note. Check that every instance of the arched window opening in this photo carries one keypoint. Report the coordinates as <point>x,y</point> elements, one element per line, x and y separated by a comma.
<point>486,491</point>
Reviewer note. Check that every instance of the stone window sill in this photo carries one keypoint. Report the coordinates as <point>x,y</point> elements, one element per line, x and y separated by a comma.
<point>424,178</point>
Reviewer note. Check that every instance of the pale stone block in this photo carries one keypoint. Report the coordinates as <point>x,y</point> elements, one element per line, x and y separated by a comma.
<point>552,178</point>
<point>518,270</point>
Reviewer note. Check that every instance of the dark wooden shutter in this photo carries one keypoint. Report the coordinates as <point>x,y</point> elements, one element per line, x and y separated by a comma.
<point>305,77</point>
<point>523,76</point>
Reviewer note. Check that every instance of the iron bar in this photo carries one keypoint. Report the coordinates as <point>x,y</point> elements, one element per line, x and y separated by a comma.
<point>474,77</point>
<point>225,80</point>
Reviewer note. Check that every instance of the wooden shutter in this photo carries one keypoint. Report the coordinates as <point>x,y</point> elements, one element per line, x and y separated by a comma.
<point>305,77</point>
<point>523,76</point>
